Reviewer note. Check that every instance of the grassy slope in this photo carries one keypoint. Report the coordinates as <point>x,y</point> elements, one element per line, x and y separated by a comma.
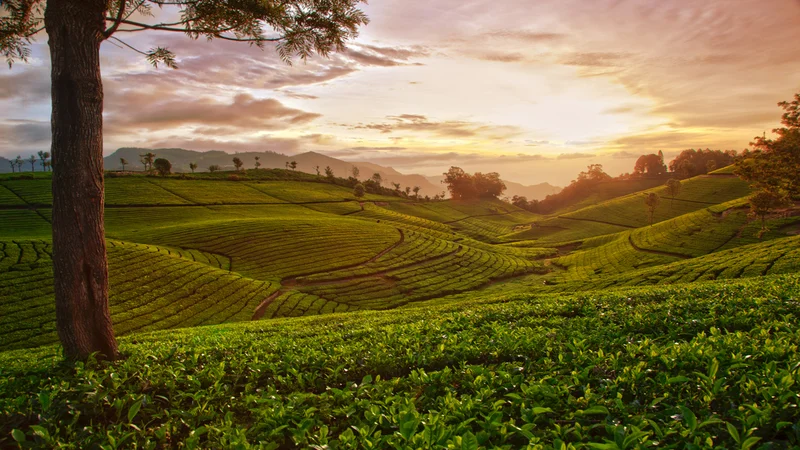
<point>312,257</point>
<point>151,288</point>
<point>628,211</point>
<point>652,367</point>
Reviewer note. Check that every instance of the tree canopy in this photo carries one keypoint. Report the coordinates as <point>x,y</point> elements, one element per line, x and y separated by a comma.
<point>298,28</point>
<point>773,165</point>
<point>463,186</point>
<point>652,164</point>
<point>690,163</point>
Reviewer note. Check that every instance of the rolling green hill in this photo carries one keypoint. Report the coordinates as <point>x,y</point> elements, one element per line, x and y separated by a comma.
<point>502,328</point>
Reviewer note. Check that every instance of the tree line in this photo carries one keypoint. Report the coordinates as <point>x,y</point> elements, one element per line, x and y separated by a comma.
<point>17,164</point>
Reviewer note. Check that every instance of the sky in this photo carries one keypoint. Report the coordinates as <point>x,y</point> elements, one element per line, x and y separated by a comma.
<point>533,89</point>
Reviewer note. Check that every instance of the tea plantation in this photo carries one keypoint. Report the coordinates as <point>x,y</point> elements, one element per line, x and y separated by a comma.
<point>284,313</point>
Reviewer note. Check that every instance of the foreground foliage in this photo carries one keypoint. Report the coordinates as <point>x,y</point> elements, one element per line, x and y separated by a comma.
<point>703,365</point>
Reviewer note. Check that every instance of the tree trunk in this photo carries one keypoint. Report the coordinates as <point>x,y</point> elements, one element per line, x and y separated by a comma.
<point>75,30</point>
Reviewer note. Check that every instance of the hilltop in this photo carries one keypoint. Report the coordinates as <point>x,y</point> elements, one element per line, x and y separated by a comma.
<point>306,162</point>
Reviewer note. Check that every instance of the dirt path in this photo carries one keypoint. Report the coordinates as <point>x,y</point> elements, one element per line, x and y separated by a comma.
<point>262,307</point>
<point>657,252</point>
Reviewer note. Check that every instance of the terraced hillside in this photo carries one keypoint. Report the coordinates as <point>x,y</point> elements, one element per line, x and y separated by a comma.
<point>628,211</point>
<point>196,252</point>
<point>186,252</point>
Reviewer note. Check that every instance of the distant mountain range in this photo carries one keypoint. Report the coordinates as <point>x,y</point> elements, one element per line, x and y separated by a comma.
<point>306,162</point>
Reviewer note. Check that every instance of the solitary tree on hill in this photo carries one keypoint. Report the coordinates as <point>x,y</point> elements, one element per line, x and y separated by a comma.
<point>317,169</point>
<point>258,162</point>
<point>396,187</point>
<point>237,163</point>
<point>13,165</point>
<point>32,160</point>
<point>123,162</point>
<point>358,190</point>
<point>293,165</point>
<point>19,161</point>
<point>44,159</point>
<point>76,29</point>
<point>416,192</point>
<point>673,189</point>
<point>407,190</point>
<point>192,166</point>
<point>147,160</point>
<point>287,165</point>
<point>377,178</point>
<point>162,166</point>
<point>651,201</point>
<point>354,170</point>
<point>329,172</point>
<point>763,203</point>
<point>213,168</point>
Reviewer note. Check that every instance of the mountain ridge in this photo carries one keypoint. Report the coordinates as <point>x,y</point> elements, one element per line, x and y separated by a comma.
<point>306,162</point>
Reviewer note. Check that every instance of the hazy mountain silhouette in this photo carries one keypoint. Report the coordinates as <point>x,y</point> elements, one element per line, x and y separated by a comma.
<point>306,162</point>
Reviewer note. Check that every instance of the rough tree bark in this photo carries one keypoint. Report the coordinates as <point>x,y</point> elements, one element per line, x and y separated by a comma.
<point>75,30</point>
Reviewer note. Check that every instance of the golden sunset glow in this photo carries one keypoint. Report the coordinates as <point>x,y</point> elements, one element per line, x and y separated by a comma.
<point>535,90</point>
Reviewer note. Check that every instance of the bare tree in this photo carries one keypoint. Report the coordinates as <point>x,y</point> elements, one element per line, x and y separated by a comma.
<point>237,163</point>
<point>293,165</point>
<point>32,160</point>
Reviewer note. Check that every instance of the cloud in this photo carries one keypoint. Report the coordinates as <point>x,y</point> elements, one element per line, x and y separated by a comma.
<point>448,129</point>
<point>298,95</point>
<point>372,55</point>
<point>241,113</point>
<point>595,59</point>
<point>623,154</point>
<point>619,110</point>
<point>31,84</point>
<point>25,133</point>
<point>528,36</point>
<point>279,145</point>
<point>385,149</point>
<point>576,155</point>
<point>502,57</point>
